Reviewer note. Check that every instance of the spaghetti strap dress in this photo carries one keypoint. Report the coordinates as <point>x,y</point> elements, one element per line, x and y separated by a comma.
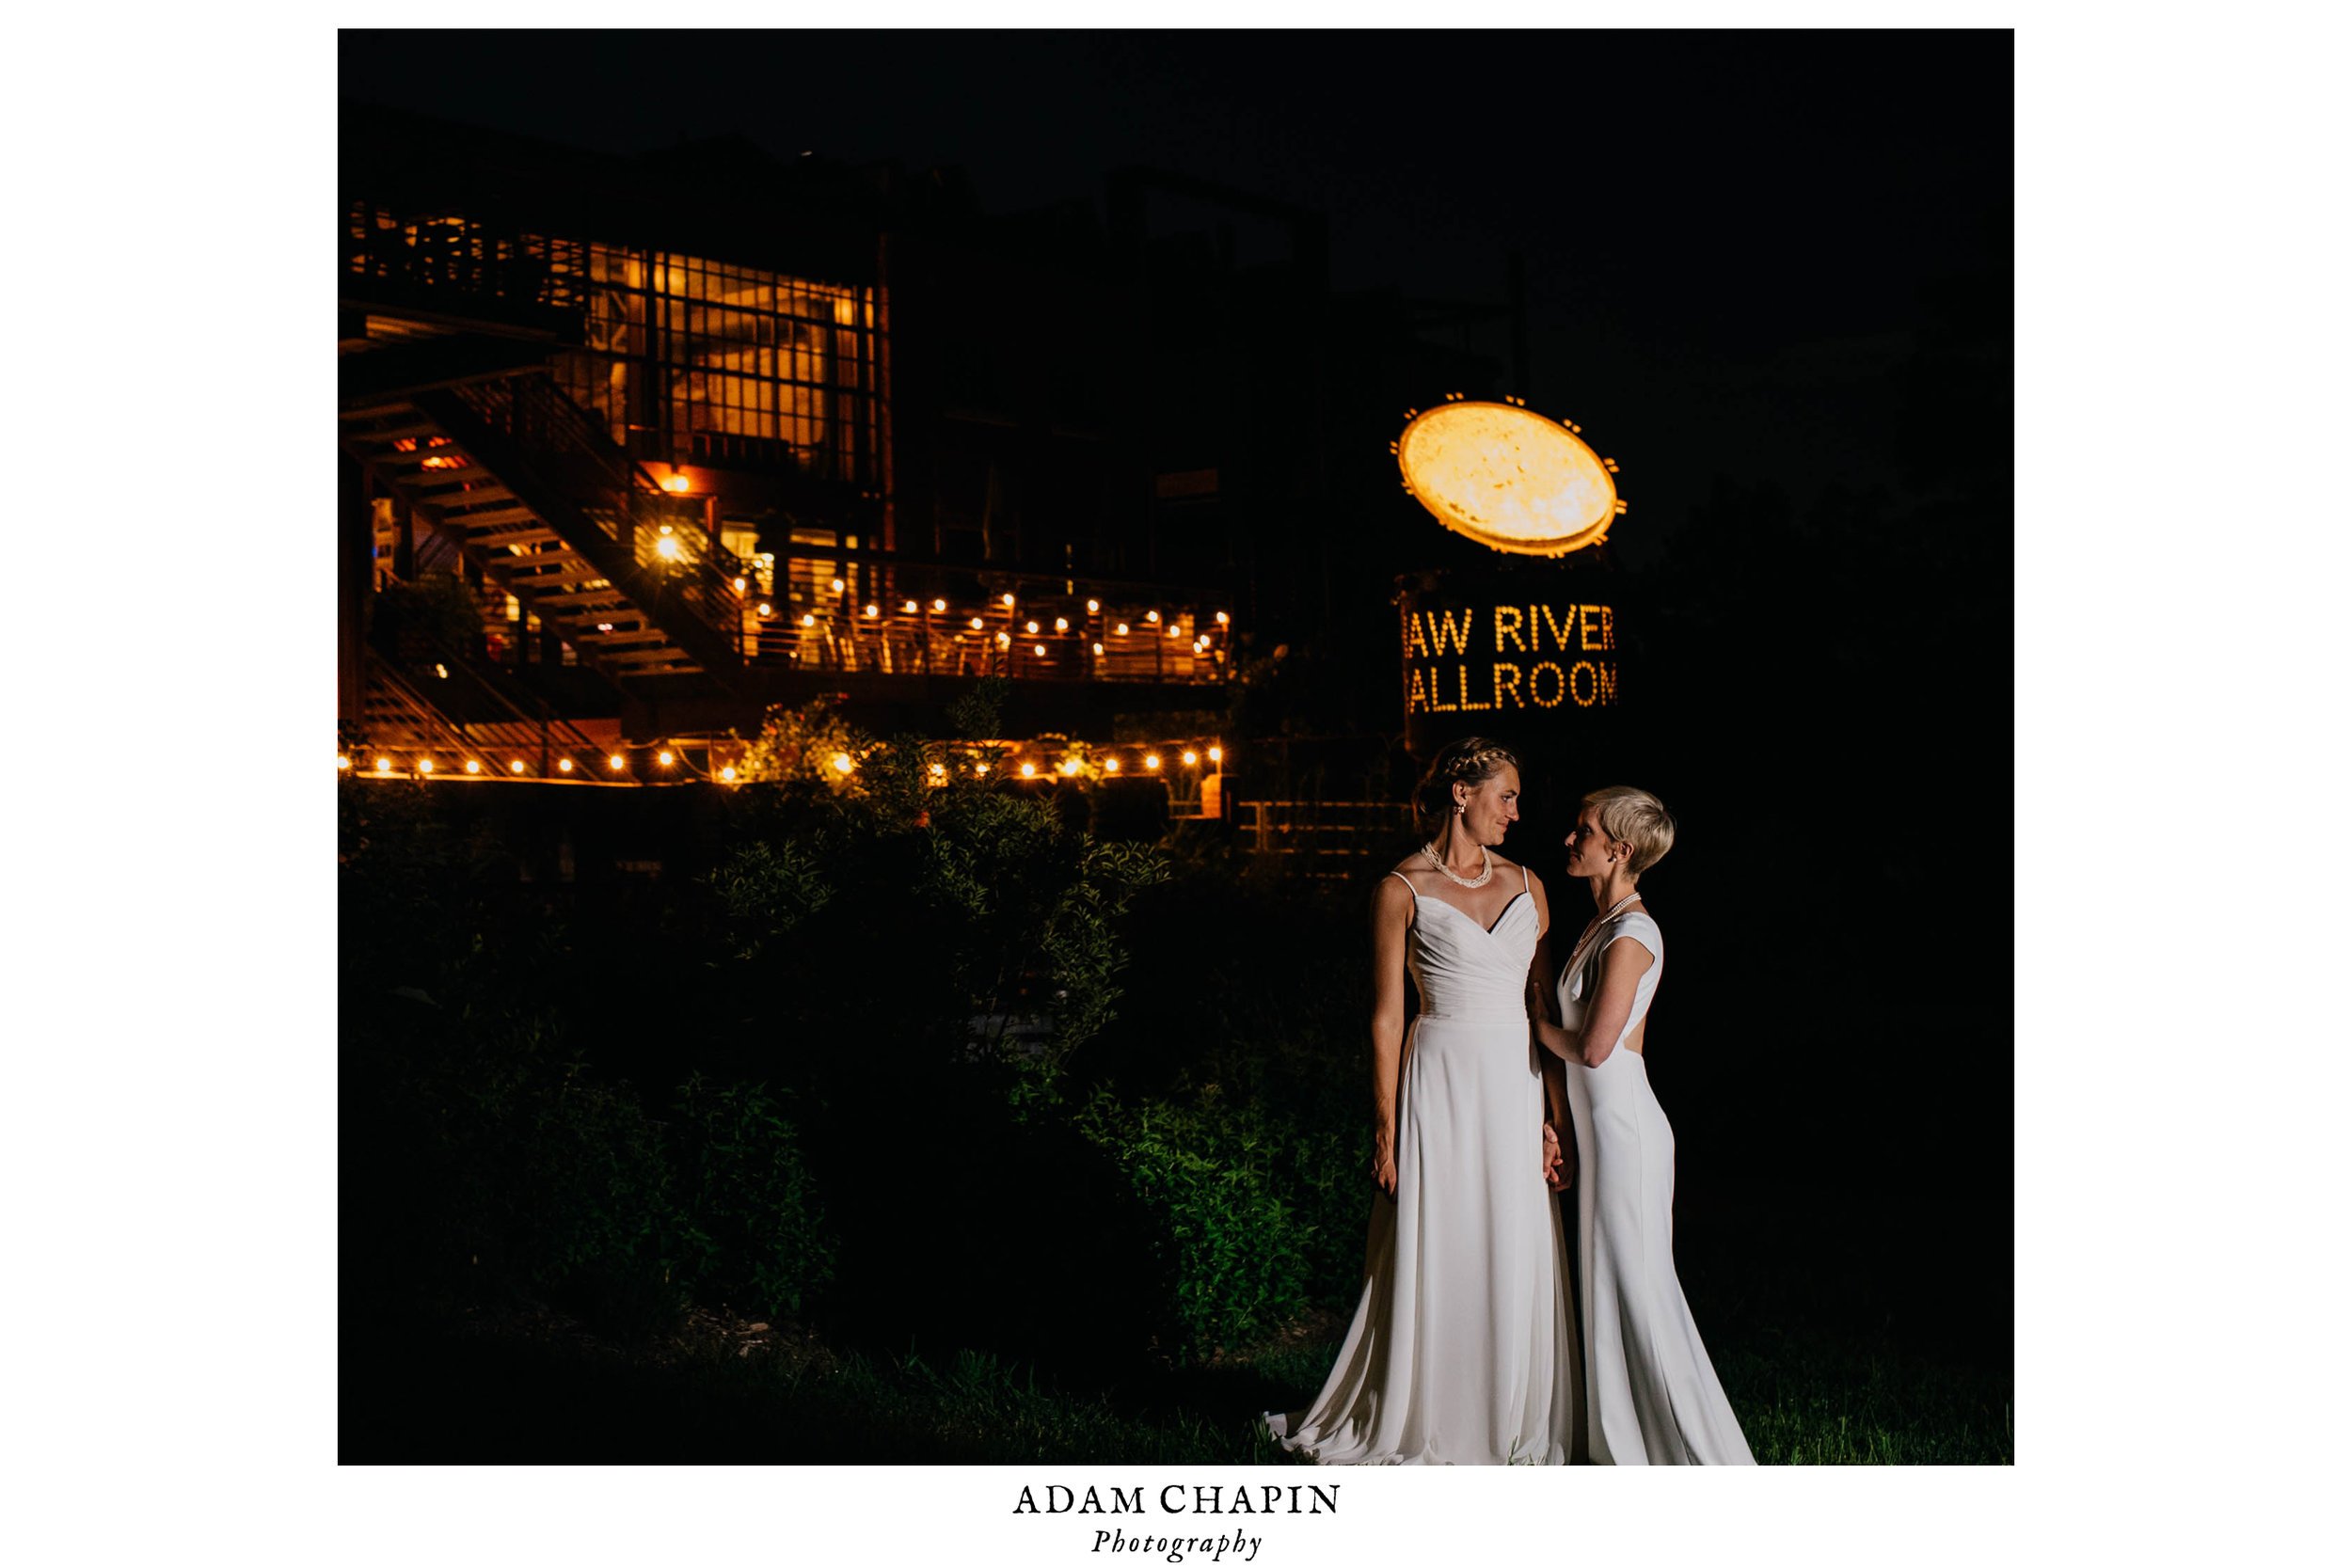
<point>1459,1351</point>
<point>1652,1396</point>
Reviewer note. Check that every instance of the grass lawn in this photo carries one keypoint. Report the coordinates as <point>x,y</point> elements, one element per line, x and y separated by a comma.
<point>536,1388</point>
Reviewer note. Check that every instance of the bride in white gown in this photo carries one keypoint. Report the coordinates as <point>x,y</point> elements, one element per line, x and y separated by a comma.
<point>1459,1352</point>
<point>1652,1395</point>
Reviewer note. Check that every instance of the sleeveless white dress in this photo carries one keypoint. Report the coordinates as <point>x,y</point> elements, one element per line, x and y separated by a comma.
<point>1459,1352</point>
<point>1652,1395</point>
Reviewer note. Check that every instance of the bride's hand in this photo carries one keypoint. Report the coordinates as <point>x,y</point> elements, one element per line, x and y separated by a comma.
<point>1384,1166</point>
<point>1558,1173</point>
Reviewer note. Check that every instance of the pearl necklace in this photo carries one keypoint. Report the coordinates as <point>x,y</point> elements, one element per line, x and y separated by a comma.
<point>1602,918</point>
<point>1429,852</point>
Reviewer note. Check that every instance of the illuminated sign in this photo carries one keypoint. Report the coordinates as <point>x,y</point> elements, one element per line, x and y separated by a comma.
<point>1484,657</point>
<point>1507,477</point>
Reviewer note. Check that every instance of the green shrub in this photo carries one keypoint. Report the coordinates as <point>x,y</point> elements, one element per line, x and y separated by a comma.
<point>1212,1176</point>
<point>760,1241</point>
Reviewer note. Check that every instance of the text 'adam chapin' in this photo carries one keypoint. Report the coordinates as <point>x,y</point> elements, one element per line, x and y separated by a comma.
<point>1176,1497</point>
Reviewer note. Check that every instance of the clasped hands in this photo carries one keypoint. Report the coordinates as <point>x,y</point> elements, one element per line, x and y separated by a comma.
<point>1559,1170</point>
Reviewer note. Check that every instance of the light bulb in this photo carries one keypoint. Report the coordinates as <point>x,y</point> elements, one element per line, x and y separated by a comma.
<point>1098,649</point>
<point>1121,630</point>
<point>564,766</point>
<point>1192,759</point>
<point>975,623</point>
<point>383,765</point>
<point>809,620</point>
<point>664,758</point>
<point>343,764</point>
<point>473,765</point>
<point>909,607</point>
<point>1008,601</point>
<point>614,762</point>
<point>1223,619</point>
<point>1095,607</point>
<point>1061,623</point>
<point>1110,765</point>
<point>727,774</point>
<point>1216,753</point>
<point>938,605</point>
<point>1028,770</point>
<point>1153,616</point>
<point>838,585</point>
<point>515,765</point>
<point>424,764</point>
<point>872,611</point>
<point>1031,628</point>
<point>1040,650</point>
<point>842,762</point>
<point>1153,761</point>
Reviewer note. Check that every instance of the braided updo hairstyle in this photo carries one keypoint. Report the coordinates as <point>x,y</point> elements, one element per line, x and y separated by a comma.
<point>1471,760</point>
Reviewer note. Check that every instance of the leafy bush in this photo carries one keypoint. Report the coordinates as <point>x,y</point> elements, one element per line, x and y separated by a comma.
<point>758,1235</point>
<point>1212,1176</point>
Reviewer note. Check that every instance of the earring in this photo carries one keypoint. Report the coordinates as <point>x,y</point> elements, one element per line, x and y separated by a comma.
<point>1457,808</point>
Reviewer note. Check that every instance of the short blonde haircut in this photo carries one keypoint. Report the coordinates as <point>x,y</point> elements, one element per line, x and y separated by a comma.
<point>1637,817</point>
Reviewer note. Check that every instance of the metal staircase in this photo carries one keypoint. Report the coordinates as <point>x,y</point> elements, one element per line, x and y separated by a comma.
<point>535,494</point>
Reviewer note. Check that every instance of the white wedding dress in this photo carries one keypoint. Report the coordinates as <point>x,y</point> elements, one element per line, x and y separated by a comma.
<point>1459,1352</point>
<point>1652,1395</point>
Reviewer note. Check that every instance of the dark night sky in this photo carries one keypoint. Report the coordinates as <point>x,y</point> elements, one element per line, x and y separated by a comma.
<point>1730,238</point>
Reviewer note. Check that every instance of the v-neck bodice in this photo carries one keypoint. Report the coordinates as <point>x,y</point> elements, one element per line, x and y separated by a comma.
<point>1466,969</point>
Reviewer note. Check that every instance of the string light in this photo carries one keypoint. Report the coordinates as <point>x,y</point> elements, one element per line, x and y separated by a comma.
<point>872,611</point>
<point>1095,607</point>
<point>838,586</point>
<point>604,625</point>
<point>614,762</point>
<point>1110,765</point>
<point>842,762</point>
<point>1120,630</point>
<point>564,766</point>
<point>383,765</point>
<point>664,758</point>
<point>473,765</point>
<point>939,769</point>
<point>1061,623</point>
<point>1216,753</point>
<point>1028,770</point>
<point>343,764</point>
<point>1192,759</point>
<point>515,765</point>
<point>727,774</point>
<point>1003,640</point>
<point>979,769</point>
<point>1223,619</point>
<point>1098,650</point>
<point>424,764</point>
<point>1069,766</point>
<point>668,548</point>
<point>766,610</point>
<point>938,605</point>
<point>676,484</point>
<point>1153,616</point>
<point>976,623</point>
<point>1174,631</point>
<point>1031,628</point>
<point>910,608</point>
<point>1008,601</point>
<point>665,528</point>
<point>740,584</point>
<point>1152,760</point>
<point>809,620</point>
<point>1040,650</point>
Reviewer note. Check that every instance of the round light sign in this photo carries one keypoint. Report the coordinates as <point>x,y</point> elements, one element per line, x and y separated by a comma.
<point>1508,478</point>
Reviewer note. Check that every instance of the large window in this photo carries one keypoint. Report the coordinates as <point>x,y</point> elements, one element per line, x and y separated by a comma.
<point>696,361</point>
